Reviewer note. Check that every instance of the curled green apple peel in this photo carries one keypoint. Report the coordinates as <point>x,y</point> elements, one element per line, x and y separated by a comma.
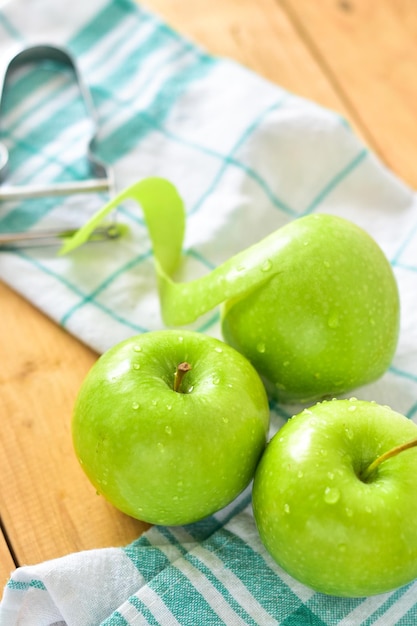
<point>314,306</point>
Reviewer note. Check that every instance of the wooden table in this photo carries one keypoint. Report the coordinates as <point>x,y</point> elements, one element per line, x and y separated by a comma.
<point>358,57</point>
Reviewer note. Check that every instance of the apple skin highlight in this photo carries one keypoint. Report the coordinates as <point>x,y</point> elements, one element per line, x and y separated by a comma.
<point>319,520</point>
<point>163,456</point>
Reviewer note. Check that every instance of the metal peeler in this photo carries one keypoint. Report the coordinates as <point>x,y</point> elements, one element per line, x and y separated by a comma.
<point>102,176</point>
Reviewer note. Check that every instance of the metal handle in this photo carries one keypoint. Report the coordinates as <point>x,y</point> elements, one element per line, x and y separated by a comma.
<point>42,238</point>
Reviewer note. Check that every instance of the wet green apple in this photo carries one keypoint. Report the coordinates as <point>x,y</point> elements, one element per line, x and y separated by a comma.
<point>169,426</point>
<point>327,320</point>
<point>334,498</point>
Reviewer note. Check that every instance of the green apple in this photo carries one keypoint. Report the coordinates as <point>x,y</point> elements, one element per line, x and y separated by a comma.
<point>327,320</point>
<point>314,306</point>
<point>334,498</point>
<point>169,426</point>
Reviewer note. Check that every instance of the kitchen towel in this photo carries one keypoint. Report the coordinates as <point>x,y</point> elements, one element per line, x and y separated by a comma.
<point>247,157</point>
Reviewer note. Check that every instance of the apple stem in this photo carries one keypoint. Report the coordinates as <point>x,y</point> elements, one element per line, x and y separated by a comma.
<point>367,473</point>
<point>180,372</point>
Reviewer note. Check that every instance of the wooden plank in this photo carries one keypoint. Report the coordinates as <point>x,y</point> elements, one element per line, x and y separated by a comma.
<point>368,50</point>
<point>48,507</point>
<point>257,34</point>
<point>7,564</point>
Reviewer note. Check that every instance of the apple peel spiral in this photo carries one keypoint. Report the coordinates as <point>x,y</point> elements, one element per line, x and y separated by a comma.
<point>314,305</point>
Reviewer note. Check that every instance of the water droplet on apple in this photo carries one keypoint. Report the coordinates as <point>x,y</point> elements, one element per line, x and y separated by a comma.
<point>261,347</point>
<point>331,495</point>
<point>333,320</point>
<point>226,420</point>
<point>240,268</point>
<point>135,405</point>
<point>353,399</point>
<point>136,366</point>
<point>300,474</point>
<point>180,338</point>
<point>168,430</point>
<point>266,265</point>
<point>323,452</point>
<point>218,349</point>
<point>190,388</point>
<point>169,407</point>
<point>154,402</point>
<point>349,433</point>
<point>330,475</point>
<point>215,380</point>
<point>287,508</point>
<point>137,348</point>
<point>352,408</point>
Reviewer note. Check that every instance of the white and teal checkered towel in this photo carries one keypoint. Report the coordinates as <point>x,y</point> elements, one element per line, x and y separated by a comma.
<point>246,156</point>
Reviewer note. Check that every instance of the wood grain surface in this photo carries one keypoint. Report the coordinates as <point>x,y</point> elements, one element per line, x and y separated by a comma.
<point>356,57</point>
